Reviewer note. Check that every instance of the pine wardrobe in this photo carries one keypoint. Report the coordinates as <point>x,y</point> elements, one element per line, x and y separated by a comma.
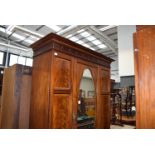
<point>58,68</point>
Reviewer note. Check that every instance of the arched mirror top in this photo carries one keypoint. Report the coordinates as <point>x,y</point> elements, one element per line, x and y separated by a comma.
<point>87,84</point>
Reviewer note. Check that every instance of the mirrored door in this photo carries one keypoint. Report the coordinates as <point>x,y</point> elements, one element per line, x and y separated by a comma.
<point>86,109</point>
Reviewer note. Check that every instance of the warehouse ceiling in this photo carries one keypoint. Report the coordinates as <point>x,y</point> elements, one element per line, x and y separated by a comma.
<point>100,38</point>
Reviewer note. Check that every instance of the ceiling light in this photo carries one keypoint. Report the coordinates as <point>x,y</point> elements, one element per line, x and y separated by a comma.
<point>54,27</point>
<point>10,27</point>
<point>102,46</point>
<point>96,42</point>
<point>69,36</point>
<point>92,48</point>
<point>108,27</point>
<point>90,38</point>
<point>80,42</point>
<point>86,45</point>
<point>74,39</point>
<point>80,31</point>
<point>85,34</point>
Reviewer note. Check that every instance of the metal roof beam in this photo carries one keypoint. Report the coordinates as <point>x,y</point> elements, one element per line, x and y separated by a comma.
<point>71,30</point>
<point>104,38</point>
<point>13,42</point>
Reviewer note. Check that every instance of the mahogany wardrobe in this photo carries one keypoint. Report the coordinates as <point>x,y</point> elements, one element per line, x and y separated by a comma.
<point>58,68</point>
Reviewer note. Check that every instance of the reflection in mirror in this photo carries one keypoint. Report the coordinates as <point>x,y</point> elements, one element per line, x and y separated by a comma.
<point>86,101</point>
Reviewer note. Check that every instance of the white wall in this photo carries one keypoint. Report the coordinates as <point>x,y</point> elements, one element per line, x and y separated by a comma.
<point>125,50</point>
<point>114,70</point>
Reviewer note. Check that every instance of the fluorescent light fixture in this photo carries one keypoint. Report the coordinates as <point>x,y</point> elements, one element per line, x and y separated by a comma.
<point>92,48</point>
<point>85,34</point>
<point>80,42</point>
<point>10,27</point>
<point>54,27</point>
<point>86,45</point>
<point>74,39</point>
<point>69,28</point>
<point>108,27</point>
<point>96,42</point>
<point>15,47</point>
<point>90,38</point>
<point>102,46</point>
<point>29,41</point>
<point>80,31</point>
<point>18,36</point>
<point>69,36</point>
<point>34,37</point>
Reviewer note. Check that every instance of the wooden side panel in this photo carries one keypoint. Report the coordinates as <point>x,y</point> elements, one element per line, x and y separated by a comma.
<point>25,102</point>
<point>105,81</point>
<point>62,111</point>
<point>104,112</point>
<point>145,78</point>
<point>61,91</point>
<point>136,70</point>
<point>103,104</point>
<point>39,109</point>
<point>0,110</point>
<point>16,97</point>
<point>10,99</point>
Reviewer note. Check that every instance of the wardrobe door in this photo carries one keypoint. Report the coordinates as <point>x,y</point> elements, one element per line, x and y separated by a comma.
<point>61,91</point>
<point>85,80</point>
<point>103,109</point>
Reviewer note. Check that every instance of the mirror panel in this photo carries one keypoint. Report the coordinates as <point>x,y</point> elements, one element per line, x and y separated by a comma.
<point>86,101</point>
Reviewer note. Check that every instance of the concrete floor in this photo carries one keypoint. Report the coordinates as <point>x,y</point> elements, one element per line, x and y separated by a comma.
<point>122,127</point>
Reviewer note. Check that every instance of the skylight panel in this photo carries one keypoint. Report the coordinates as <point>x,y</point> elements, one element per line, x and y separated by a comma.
<point>74,39</point>
<point>69,36</point>
<point>102,46</point>
<point>80,31</point>
<point>90,38</point>
<point>80,42</point>
<point>92,48</point>
<point>96,42</point>
<point>54,27</point>
<point>29,41</point>
<point>86,45</point>
<point>85,34</point>
<point>18,36</point>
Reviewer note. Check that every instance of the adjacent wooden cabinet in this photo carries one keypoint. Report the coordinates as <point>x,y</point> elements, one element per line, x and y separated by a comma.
<point>15,103</point>
<point>58,67</point>
<point>144,58</point>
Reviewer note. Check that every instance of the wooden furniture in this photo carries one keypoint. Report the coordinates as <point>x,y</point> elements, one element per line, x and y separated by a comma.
<point>57,70</point>
<point>1,81</point>
<point>144,59</point>
<point>16,97</point>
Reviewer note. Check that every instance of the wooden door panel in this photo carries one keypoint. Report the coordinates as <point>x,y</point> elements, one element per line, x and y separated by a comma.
<point>62,114</point>
<point>105,81</point>
<point>103,119</point>
<point>62,72</point>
